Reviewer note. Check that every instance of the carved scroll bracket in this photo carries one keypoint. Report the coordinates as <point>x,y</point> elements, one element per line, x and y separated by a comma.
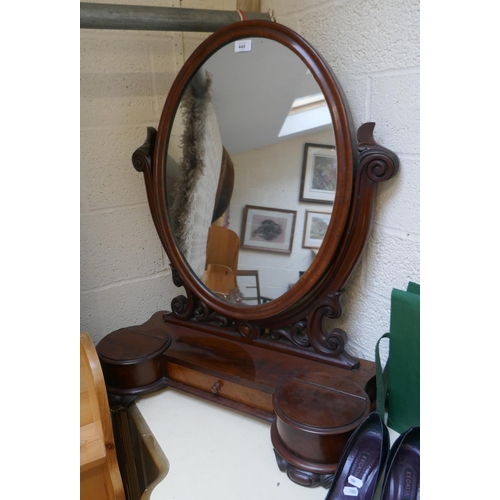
<point>330,342</point>
<point>205,314</point>
<point>296,334</point>
<point>379,163</point>
<point>189,307</point>
<point>182,306</point>
<point>142,158</point>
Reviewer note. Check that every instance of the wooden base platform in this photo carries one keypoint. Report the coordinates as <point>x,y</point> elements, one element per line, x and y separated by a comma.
<point>312,405</point>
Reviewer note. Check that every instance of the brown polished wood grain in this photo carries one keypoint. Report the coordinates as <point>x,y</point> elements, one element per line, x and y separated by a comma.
<point>277,361</point>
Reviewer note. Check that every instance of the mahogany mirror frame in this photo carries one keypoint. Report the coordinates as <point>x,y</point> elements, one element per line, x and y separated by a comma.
<point>257,359</point>
<point>293,299</point>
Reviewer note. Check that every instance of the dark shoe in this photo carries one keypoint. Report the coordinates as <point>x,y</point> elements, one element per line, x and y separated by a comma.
<point>402,477</point>
<point>362,461</point>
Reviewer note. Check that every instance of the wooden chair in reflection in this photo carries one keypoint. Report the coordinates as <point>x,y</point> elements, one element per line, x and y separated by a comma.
<point>221,270</point>
<point>247,286</point>
<point>223,246</point>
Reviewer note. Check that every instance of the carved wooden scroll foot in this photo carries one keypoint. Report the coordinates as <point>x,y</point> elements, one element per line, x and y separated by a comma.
<point>303,477</point>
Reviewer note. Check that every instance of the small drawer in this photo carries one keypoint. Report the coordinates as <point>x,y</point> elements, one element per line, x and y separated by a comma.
<point>220,387</point>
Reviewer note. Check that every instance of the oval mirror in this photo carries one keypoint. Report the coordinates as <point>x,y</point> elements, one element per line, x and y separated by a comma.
<point>254,169</point>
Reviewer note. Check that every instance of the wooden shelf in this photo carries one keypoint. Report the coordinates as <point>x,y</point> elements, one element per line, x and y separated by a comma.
<point>100,477</point>
<point>92,449</point>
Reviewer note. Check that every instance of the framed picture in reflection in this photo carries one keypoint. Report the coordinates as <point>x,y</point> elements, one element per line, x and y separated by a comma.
<point>315,227</point>
<point>268,229</point>
<point>319,173</point>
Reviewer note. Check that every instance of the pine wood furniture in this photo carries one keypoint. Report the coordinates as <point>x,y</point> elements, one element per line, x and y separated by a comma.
<point>99,473</point>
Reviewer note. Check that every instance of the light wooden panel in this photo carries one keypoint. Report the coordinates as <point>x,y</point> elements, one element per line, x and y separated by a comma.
<point>226,389</point>
<point>99,474</point>
<point>92,450</point>
<point>85,410</point>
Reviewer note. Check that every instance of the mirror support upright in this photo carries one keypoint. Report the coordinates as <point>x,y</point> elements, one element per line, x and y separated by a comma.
<point>262,360</point>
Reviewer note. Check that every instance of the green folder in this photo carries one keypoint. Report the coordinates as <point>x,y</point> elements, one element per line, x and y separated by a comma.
<point>398,385</point>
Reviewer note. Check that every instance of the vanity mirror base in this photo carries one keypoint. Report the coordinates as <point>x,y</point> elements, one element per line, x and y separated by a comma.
<point>313,406</point>
<point>276,360</point>
<point>308,438</point>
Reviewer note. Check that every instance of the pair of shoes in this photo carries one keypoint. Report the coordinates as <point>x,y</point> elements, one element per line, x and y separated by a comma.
<point>362,461</point>
<point>402,476</point>
<point>366,456</point>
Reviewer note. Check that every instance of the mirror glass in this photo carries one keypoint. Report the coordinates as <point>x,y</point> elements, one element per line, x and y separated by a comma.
<point>251,171</point>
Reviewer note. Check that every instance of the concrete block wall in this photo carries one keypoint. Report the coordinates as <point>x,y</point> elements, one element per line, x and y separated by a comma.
<point>125,77</point>
<point>373,48</point>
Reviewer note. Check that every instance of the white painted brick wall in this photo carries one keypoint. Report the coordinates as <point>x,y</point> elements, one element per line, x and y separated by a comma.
<point>125,78</point>
<point>373,48</point>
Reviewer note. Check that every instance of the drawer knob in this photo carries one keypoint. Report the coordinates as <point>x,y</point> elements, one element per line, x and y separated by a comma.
<point>216,388</point>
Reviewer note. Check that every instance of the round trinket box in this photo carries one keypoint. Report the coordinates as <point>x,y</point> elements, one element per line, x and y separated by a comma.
<point>315,416</point>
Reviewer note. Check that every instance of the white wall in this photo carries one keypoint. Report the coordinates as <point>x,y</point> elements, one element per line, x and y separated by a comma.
<point>125,78</point>
<point>270,177</point>
<point>371,45</point>
<point>373,48</point>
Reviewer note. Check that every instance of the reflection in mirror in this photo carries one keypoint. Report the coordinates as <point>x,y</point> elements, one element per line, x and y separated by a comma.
<point>241,138</point>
